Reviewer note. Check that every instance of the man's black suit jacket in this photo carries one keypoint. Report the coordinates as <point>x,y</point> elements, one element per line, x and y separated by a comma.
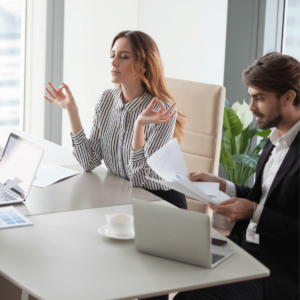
<point>278,226</point>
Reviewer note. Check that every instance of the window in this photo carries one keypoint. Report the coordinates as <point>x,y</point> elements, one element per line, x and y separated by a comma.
<point>291,29</point>
<point>12,29</point>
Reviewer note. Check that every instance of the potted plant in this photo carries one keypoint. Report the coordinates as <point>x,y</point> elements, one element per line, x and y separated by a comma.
<point>237,158</point>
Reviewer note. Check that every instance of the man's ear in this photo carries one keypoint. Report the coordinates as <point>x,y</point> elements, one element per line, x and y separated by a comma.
<point>290,97</point>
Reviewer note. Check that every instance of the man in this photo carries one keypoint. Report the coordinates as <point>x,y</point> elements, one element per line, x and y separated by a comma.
<point>267,215</point>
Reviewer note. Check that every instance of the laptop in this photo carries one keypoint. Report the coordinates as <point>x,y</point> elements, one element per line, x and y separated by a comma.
<point>164,230</point>
<point>20,159</point>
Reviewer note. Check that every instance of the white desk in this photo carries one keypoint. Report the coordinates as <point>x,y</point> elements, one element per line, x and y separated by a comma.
<point>63,257</point>
<point>85,190</point>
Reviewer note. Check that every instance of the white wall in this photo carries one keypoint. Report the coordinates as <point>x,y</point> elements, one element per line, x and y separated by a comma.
<point>190,35</point>
<point>90,27</point>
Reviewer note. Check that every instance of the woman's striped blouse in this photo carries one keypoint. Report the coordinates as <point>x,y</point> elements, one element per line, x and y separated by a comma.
<point>111,139</point>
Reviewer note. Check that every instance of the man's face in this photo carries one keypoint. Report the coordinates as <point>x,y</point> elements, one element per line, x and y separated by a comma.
<point>266,107</point>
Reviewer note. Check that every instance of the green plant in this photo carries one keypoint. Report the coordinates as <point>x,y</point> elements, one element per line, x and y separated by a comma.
<point>237,159</point>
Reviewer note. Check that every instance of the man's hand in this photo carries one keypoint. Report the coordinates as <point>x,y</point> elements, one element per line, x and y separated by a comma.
<point>234,209</point>
<point>207,177</point>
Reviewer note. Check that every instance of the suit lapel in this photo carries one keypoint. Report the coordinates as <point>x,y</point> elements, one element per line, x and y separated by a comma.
<point>287,163</point>
<point>255,194</point>
<point>264,158</point>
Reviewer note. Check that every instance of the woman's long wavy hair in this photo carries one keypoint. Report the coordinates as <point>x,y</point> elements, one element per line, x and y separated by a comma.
<point>153,80</point>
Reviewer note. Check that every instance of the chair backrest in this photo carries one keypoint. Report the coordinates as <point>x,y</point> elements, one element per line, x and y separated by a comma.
<point>203,104</point>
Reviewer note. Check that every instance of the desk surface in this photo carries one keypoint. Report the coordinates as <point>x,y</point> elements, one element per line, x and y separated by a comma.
<point>85,190</point>
<point>99,188</point>
<point>62,256</point>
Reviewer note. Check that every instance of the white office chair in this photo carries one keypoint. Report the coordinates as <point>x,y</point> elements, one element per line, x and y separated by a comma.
<point>204,105</point>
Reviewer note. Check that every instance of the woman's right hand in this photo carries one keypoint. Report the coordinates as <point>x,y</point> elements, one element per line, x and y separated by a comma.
<point>57,97</point>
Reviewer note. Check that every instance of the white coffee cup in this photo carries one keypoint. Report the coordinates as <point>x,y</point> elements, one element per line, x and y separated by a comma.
<point>120,224</point>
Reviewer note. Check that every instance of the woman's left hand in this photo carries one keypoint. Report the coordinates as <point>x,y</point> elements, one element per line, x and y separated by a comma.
<point>149,116</point>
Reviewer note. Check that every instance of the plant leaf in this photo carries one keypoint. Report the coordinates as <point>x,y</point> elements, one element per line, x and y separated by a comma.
<point>232,122</point>
<point>227,104</point>
<point>226,158</point>
<point>255,156</point>
<point>247,160</point>
<point>263,133</point>
<point>260,146</point>
<point>227,141</point>
<point>238,140</point>
<point>252,132</point>
<point>245,140</point>
<point>262,143</point>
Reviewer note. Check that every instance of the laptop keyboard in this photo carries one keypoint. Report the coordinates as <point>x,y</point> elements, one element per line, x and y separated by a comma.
<point>7,197</point>
<point>216,257</point>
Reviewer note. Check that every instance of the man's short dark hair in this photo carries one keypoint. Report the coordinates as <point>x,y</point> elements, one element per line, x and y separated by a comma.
<point>275,72</point>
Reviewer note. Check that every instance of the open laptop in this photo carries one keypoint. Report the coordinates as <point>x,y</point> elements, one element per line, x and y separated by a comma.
<point>20,159</point>
<point>177,234</point>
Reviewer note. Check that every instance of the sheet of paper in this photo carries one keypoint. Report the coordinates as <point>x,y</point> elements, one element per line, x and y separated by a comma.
<point>221,197</point>
<point>168,162</point>
<point>48,174</point>
<point>186,187</point>
<point>10,185</point>
<point>10,217</point>
<point>209,188</point>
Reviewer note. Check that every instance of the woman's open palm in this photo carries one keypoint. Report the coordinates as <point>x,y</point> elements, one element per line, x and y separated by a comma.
<point>58,97</point>
<point>150,116</point>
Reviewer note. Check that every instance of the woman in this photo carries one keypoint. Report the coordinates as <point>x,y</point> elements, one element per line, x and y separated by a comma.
<point>130,123</point>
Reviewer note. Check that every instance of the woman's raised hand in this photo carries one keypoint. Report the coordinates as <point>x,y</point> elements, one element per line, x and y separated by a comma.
<point>57,96</point>
<point>149,116</point>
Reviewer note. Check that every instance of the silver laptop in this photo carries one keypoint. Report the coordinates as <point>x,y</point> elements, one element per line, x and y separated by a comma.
<point>20,159</point>
<point>177,234</point>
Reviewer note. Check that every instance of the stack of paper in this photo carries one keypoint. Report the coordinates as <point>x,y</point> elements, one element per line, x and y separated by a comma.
<point>169,164</point>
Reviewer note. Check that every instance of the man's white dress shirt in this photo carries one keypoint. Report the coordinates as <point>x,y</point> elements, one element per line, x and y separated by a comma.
<point>282,145</point>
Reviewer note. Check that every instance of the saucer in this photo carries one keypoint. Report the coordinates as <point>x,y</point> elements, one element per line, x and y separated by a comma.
<point>106,232</point>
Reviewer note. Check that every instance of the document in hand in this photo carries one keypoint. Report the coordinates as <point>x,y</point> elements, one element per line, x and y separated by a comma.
<point>169,164</point>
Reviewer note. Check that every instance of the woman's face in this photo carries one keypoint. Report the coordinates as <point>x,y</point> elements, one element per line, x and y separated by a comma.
<point>122,59</point>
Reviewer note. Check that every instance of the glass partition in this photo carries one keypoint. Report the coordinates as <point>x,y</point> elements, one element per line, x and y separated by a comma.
<point>291,29</point>
<point>12,45</point>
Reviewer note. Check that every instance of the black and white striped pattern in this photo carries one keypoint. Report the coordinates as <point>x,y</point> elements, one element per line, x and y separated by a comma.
<point>111,139</point>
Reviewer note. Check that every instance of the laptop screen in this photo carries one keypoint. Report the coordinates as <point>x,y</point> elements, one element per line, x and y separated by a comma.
<point>20,159</point>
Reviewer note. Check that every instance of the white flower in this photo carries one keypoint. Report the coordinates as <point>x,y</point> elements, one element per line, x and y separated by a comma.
<point>236,106</point>
<point>244,113</point>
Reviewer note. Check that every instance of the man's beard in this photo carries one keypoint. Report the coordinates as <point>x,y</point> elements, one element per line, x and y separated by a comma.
<point>273,121</point>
